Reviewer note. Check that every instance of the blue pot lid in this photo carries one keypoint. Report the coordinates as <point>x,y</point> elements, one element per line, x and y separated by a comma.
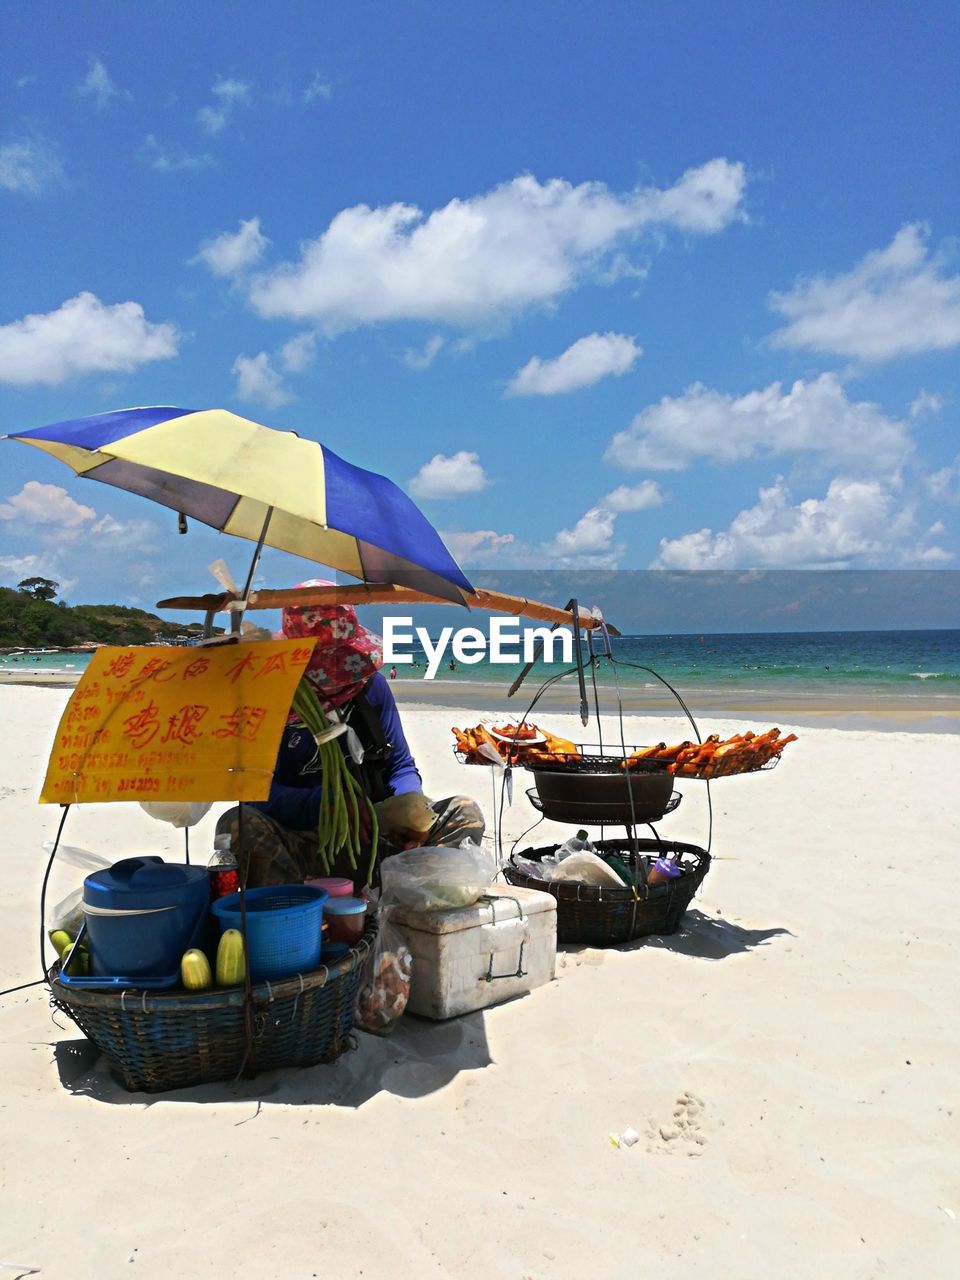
<point>345,906</point>
<point>144,881</point>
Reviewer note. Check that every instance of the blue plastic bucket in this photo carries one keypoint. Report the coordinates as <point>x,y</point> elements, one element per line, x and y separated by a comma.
<point>284,927</point>
<point>141,915</point>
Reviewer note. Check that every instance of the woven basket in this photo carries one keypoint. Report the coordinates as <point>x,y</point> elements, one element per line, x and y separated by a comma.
<point>160,1040</point>
<point>604,914</point>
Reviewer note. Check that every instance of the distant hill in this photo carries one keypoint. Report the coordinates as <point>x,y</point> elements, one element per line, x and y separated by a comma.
<point>42,624</point>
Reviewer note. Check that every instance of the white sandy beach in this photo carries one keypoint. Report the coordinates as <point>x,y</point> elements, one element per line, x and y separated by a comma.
<point>791,1060</point>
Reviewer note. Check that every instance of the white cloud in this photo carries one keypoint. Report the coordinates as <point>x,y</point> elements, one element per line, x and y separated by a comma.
<point>233,251</point>
<point>813,418</point>
<point>84,335</point>
<point>79,543</point>
<point>258,380</point>
<point>925,403</point>
<point>172,160</point>
<point>589,544</point>
<point>452,477</point>
<point>229,94</point>
<point>897,301</point>
<point>142,574</point>
<point>599,355</point>
<point>944,485</point>
<point>317,88</point>
<point>621,268</point>
<point>28,165</point>
<point>423,359</point>
<point>133,535</point>
<point>16,568</point>
<point>477,545</point>
<point>706,199</point>
<point>637,497</point>
<point>46,504</point>
<point>297,353</point>
<point>856,523</point>
<point>98,85</point>
<point>484,258</point>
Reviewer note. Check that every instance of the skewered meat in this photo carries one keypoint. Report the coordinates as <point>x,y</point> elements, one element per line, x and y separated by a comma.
<point>552,749</point>
<point>741,753</point>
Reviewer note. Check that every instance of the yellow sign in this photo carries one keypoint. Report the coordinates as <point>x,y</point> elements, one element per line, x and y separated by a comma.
<point>165,723</point>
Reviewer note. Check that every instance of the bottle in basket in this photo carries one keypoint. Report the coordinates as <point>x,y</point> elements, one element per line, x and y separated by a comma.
<point>223,869</point>
<point>663,871</point>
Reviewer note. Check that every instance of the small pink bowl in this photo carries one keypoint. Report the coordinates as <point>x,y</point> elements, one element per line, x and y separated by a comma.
<point>336,886</point>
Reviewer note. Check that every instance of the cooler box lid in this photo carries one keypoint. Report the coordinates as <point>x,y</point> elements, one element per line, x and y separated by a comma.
<point>144,882</point>
<point>501,902</point>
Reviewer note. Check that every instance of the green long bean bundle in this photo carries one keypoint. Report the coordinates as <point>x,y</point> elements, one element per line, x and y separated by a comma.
<point>341,795</point>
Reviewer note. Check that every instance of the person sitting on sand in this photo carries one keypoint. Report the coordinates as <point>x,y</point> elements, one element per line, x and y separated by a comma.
<point>277,838</point>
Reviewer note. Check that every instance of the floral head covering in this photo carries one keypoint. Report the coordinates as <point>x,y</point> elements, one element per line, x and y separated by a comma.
<point>346,653</point>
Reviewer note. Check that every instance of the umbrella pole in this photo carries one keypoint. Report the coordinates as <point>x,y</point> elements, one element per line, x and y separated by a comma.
<point>256,560</point>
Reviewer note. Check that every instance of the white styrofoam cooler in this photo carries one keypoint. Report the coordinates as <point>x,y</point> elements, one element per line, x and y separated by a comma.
<point>472,957</point>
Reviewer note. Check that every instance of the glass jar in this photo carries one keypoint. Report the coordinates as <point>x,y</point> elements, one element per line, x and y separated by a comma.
<point>346,918</point>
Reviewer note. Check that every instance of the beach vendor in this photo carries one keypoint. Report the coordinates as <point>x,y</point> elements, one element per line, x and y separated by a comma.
<point>277,838</point>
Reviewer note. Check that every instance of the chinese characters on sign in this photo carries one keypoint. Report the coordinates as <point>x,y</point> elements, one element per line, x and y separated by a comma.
<point>175,724</point>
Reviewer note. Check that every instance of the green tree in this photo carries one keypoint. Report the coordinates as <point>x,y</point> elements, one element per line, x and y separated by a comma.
<point>39,588</point>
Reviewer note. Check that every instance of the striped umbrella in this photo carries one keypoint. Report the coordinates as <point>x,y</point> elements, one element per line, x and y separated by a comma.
<point>269,486</point>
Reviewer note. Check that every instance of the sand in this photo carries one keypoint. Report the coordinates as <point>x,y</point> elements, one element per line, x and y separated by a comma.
<point>790,1061</point>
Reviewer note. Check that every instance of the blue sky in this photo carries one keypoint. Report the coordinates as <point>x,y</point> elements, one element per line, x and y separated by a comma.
<point>619,285</point>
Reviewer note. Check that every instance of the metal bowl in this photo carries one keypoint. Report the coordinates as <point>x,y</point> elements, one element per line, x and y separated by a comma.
<point>604,797</point>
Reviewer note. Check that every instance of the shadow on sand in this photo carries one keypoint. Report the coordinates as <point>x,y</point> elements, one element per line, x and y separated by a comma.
<point>710,937</point>
<point>702,936</point>
<point>419,1058</point>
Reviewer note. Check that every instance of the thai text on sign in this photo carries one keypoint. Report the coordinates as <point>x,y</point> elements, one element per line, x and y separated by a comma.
<point>165,723</point>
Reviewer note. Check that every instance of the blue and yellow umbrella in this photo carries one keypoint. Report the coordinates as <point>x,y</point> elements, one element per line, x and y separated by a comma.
<point>270,486</point>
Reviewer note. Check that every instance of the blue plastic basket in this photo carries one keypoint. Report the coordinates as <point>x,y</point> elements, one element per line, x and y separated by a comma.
<point>284,927</point>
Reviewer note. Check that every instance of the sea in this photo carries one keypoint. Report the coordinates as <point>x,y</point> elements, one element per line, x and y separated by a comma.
<point>871,662</point>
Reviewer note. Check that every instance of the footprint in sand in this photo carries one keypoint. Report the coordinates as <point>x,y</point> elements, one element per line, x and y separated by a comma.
<point>683,1133</point>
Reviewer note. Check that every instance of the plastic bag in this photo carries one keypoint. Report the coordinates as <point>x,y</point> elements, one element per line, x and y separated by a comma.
<point>385,985</point>
<point>79,857</point>
<point>437,879</point>
<point>179,813</point>
<point>587,868</point>
<point>525,866</point>
<point>68,913</point>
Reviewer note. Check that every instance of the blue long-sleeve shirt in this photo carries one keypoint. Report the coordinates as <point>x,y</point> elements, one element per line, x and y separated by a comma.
<point>295,790</point>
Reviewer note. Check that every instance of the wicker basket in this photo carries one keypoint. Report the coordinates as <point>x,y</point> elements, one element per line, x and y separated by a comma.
<point>171,1040</point>
<point>603,915</point>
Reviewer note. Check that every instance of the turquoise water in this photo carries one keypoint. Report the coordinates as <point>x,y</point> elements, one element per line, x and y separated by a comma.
<point>885,660</point>
<point>52,662</point>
